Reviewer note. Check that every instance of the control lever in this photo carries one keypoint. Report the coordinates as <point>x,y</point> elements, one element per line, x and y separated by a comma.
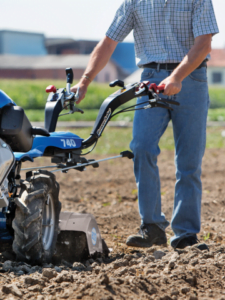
<point>77,94</point>
<point>69,75</point>
<point>117,82</point>
<point>69,79</point>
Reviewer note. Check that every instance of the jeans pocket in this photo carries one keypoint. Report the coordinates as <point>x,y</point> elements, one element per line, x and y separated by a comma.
<point>147,74</point>
<point>199,75</point>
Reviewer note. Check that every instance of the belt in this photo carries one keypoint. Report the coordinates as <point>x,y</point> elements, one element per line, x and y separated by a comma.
<point>169,66</point>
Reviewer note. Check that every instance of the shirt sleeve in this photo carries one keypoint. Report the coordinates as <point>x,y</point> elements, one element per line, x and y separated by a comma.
<point>123,22</point>
<point>204,20</point>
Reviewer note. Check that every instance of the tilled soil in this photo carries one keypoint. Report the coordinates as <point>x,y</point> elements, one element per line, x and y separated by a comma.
<point>110,194</point>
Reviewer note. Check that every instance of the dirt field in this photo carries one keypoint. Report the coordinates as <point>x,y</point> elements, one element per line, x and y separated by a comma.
<point>110,194</point>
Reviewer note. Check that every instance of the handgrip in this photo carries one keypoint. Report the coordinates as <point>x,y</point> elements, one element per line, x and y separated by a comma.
<point>157,88</point>
<point>69,75</point>
<point>51,89</point>
<point>117,82</point>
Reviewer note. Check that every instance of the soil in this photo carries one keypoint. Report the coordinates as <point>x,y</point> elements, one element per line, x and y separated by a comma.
<point>110,194</point>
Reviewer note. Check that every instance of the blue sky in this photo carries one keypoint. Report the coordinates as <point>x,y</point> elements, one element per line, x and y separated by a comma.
<point>79,19</point>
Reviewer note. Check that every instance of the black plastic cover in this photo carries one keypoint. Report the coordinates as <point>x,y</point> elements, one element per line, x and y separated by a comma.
<point>15,129</point>
<point>53,108</point>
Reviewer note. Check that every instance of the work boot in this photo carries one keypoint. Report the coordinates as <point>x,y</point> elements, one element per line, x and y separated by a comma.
<point>148,235</point>
<point>190,241</point>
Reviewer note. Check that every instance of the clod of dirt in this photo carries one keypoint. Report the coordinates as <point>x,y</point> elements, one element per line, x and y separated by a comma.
<point>103,279</point>
<point>78,266</point>
<point>33,281</point>
<point>185,290</point>
<point>49,273</point>
<point>159,254</point>
<point>64,277</point>
<point>11,289</point>
<point>7,266</point>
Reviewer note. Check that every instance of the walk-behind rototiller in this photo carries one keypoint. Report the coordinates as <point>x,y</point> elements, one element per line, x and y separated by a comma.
<point>31,207</point>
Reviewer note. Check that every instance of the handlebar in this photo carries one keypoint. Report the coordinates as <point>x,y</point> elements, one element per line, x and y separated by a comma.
<point>58,99</point>
<point>157,89</point>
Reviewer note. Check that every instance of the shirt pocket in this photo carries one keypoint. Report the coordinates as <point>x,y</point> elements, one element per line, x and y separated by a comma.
<point>181,23</point>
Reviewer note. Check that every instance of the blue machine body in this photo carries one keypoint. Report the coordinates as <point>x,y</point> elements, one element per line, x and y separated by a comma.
<point>60,140</point>
<point>5,100</point>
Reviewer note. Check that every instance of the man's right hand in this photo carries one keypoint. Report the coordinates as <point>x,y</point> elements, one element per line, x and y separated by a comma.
<point>82,91</point>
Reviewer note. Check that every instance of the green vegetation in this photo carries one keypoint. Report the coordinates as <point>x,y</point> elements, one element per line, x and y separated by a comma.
<point>217,97</point>
<point>116,140</point>
<point>217,114</point>
<point>31,95</point>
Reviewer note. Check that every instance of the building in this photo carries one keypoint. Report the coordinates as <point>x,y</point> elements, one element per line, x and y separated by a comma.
<point>216,67</point>
<point>124,54</point>
<point>22,43</point>
<point>53,67</point>
<point>61,46</point>
<point>34,56</point>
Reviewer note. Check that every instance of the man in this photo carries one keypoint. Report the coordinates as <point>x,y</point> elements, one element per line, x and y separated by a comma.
<point>172,43</point>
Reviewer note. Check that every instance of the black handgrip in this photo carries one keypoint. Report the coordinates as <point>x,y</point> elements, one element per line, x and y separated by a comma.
<point>39,131</point>
<point>69,75</point>
<point>127,154</point>
<point>117,82</point>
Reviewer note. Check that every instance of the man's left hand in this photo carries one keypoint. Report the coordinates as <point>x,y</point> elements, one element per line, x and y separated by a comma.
<point>172,86</point>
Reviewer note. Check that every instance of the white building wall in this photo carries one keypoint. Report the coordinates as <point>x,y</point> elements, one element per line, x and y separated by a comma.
<point>109,73</point>
<point>210,72</point>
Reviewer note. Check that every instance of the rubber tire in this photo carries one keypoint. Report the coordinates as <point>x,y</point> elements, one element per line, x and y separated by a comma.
<point>27,224</point>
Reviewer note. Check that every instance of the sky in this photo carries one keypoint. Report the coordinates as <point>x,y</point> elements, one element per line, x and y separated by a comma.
<point>78,19</point>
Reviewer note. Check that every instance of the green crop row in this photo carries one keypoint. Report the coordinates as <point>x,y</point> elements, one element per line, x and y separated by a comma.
<point>30,94</point>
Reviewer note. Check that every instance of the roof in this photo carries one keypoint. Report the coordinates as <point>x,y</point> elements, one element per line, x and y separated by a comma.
<point>21,32</point>
<point>62,41</point>
<point>58,41</point>
<point>43,62</point>
<point>217,58</point>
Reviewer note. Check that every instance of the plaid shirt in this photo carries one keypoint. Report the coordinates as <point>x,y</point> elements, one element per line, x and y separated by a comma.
<point>164,30</point>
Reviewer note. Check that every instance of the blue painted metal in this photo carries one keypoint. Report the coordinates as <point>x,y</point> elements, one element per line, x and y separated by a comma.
<point>4,234</point>
<point>61,140</point>
<point>5,100</point>
<point>124,56</point>
<point>2,221</point>
<point>22,43</point>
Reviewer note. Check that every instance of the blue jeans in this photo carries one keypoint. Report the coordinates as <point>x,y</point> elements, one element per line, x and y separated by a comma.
<point>189,128</point>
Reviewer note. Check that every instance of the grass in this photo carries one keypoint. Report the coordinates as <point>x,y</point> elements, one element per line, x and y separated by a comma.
<point>37,115</point>
<point>217,96</point>
<point>217,114</point>
<point>31,95</point>
<point>116,140</point>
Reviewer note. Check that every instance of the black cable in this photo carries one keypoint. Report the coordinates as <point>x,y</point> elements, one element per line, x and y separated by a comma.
<point>91,149</point>
<point>64,108</point>
<point>127,108</point>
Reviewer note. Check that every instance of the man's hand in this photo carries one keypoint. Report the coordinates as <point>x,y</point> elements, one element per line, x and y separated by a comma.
<point>172,86</point>
<point>82,91</point>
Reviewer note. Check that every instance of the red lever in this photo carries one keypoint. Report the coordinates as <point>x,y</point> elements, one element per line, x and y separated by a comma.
<point>157,89</point>
<point>51,88</point>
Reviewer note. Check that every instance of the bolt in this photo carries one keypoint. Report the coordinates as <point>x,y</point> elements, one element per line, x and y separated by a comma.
<point>4,145</point>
